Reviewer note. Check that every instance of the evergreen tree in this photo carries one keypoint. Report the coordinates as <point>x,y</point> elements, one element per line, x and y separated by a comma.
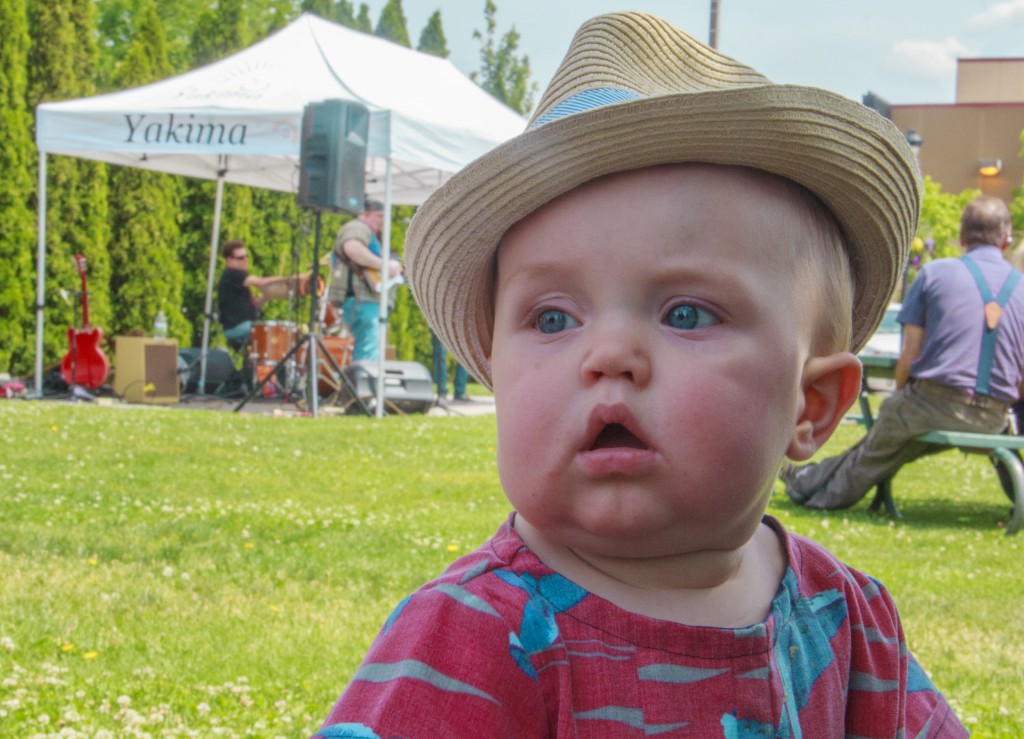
<point>267,16</point>
<point>116,25</point>
<point>196,223</point>
<point>339,12</point>
<point>17,224</point>
<point>345,14</point>
<point>392,24</point>
<point>61,65</point>
<point>147,273</point>
<point>219,31</point>
<point>432,39</point>
<point>502,72</point>
<point>362,21</point>
<point>322,8</point>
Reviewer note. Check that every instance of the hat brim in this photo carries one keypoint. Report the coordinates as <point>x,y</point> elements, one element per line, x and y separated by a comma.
<point>856,162</point>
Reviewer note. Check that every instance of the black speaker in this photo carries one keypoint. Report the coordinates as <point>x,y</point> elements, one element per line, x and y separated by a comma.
<point>220,368</point>
<point>332,157</point>
<point>408,386</point>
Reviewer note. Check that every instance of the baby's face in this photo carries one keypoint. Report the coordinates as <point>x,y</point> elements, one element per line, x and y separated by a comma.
<point>647,355</point>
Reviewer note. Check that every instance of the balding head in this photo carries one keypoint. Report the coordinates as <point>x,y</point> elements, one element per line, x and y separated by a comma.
<point>985,222</point>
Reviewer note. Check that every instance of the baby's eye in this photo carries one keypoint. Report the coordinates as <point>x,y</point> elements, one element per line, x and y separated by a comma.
<point>686,316</point>
<point>553,320</point>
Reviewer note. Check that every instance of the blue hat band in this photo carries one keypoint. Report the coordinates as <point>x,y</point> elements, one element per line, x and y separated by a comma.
<point>584,101</point>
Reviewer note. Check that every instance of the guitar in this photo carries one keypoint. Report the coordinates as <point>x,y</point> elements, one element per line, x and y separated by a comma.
<point>372,278</point>
<point>85,363</point>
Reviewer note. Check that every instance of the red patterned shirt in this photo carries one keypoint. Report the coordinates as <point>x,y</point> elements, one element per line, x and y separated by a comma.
<point>502,646</point>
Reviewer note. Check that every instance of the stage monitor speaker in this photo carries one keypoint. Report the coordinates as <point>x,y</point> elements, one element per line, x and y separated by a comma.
<point>332,156</point>
<point>408,386</point>
<point>146,369</point>
<point>220,368</point>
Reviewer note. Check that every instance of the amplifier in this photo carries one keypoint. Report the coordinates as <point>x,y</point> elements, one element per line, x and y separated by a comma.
<point>146,369</point>
<point>408,386</point>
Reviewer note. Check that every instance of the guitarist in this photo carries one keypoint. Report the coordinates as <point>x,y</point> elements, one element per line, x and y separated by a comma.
<point>356,277</point>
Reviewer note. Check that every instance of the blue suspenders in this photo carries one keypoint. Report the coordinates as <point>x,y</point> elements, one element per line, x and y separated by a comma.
<point>993,311</point>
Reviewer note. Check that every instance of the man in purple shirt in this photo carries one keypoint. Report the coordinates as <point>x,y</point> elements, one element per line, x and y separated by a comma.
<point>960,369</point>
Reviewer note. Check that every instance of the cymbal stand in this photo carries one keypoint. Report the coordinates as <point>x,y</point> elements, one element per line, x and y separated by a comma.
<point>291,371</point>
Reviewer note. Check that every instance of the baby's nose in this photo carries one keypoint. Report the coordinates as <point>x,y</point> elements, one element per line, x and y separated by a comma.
<point>616,350</point>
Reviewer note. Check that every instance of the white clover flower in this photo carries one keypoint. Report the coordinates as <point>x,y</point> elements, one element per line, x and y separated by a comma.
<point>7,643</point>
<point>124,701</point>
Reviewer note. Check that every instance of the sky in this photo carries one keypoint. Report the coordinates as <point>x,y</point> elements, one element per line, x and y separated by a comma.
<point>902,50</point>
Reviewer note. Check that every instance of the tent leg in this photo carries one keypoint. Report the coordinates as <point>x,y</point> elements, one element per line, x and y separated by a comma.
<point>385,291</point>
<point>40,273</point>
<point>214,243</point>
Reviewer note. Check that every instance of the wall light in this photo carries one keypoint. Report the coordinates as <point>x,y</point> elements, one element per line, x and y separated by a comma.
<point>990,167</point>
<point>914,140</point>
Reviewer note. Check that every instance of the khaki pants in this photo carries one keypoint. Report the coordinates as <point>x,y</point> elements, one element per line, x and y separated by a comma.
<point>922,406</point>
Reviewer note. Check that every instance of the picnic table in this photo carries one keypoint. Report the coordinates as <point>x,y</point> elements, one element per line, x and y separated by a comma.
<point>1001,448</point>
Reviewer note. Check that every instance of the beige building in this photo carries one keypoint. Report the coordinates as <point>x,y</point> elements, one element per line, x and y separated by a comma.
<point>976,141</point>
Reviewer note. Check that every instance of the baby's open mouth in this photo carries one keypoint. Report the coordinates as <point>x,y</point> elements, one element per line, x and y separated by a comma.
<point>615,436</point>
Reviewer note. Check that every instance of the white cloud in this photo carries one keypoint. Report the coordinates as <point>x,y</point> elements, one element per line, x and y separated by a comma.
<point>925,58</point>
<point>998,15</point>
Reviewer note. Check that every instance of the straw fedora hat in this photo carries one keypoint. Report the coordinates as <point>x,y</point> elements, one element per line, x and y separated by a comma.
<point>634,91</point>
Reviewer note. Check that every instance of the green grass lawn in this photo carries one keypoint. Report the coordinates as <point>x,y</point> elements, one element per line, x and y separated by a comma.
<point>193,573</point>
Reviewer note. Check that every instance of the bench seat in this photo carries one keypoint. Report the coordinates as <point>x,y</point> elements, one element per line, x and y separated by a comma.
<point>999,447</point>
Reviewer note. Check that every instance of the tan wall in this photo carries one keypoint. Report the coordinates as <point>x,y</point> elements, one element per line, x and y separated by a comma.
<point>956,137</point>
<point>990,81</point>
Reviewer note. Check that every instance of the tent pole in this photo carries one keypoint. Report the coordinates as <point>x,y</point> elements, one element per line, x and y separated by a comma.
<point>214,243</point>
<point>40,273</point>
<point>385,282</point>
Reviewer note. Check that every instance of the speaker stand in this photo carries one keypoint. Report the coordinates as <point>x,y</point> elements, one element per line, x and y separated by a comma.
<point>316,345</point>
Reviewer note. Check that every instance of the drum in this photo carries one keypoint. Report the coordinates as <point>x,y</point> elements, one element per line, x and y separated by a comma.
<point>340,349</point>
<point>271,341</point>
<point>334,320</point>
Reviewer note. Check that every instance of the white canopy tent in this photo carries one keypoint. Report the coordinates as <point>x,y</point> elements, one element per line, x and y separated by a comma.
<point>240,120</point>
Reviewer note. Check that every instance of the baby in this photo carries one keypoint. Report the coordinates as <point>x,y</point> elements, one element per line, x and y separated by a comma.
<point>661,280</point>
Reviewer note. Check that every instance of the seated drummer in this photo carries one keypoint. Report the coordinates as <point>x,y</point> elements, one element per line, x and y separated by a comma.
<point>236,303</point>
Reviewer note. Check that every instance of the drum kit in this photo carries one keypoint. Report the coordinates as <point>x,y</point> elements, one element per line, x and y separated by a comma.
<point>305,363</point>
<point>279,355</point>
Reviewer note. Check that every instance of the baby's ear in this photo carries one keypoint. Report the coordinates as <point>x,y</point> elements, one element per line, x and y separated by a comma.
<point>829,386</point>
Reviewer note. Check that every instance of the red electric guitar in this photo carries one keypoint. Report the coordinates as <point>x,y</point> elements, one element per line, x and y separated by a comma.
<point>85,363</point>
